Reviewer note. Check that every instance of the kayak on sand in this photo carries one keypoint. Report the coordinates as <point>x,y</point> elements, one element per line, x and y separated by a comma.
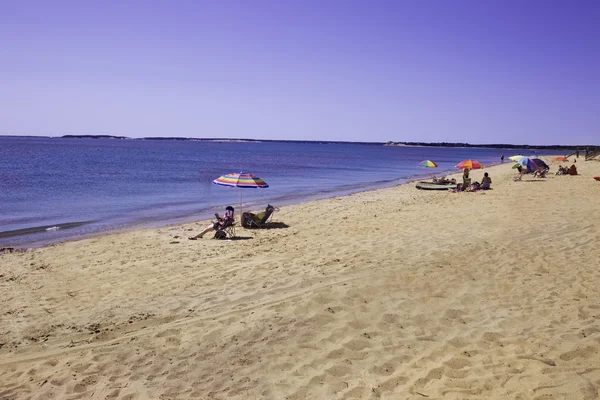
<point>434,186</point>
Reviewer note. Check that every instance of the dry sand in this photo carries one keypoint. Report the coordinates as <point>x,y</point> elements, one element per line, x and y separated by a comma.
<point>394,293</point>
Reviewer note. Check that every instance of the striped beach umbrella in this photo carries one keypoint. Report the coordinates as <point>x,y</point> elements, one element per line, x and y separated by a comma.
<point>471,164</point>
<point>242,181</point>
<point>526,162</point>
<point>428,164</point>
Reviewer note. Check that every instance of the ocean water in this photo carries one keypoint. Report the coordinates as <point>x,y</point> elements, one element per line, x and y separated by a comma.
<point>53,190</point>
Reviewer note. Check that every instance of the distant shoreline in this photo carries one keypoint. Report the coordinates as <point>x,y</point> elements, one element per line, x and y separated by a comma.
<point>389,143</point>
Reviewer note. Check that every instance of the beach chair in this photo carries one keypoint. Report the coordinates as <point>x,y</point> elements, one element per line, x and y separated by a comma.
<point>540,173</point>
<point>250,220</point>
<point>226,231</point>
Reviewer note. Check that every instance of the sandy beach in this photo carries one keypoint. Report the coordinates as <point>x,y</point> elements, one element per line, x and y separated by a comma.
<point>393,293</point>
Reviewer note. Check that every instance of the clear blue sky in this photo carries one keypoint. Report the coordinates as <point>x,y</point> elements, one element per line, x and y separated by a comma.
<point>478,71</point>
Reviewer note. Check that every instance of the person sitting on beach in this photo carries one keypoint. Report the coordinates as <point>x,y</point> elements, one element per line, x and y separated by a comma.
<point>259,220</point>
<point>540,173</point>
<point>475,186</point>
<point>444,181</point>
<point>573,170</point>
<point>466,179</point>
<point>562,170</point>
<point>225,221</point>
<point>486,181</point>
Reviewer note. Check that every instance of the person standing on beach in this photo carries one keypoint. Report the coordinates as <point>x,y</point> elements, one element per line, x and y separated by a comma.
<point>520,169</point>
<point>502,158</point>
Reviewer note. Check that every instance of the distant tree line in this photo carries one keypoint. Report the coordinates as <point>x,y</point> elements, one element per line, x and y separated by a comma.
<point>93,137</point>
<point>390,143</point>
<point>491,146</point>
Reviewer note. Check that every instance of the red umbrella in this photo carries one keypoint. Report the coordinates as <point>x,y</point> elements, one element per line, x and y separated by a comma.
<point>471,164</point>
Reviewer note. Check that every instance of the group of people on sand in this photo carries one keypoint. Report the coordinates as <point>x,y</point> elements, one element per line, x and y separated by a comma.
<point>468,186</point>
<point>538,173</point>
<point>224,225</point>
<point>444,181</point>
<point>465,186</point>
<point>572,170</point>
<point>541,172</point>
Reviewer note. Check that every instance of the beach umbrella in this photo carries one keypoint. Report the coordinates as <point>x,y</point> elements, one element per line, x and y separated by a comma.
<point>515,158</point>
<point>526,162</point>
<point>428,164</point>
<point>471,164</point>
<point>242,181</point>
<point>560,159</point>
<point>540,163</point>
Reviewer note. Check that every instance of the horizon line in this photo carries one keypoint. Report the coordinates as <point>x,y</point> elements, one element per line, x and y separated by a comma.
<point>391,143</point>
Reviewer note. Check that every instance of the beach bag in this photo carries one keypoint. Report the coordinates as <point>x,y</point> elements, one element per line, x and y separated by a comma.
<point>220,235</point>
<point>247,218</point>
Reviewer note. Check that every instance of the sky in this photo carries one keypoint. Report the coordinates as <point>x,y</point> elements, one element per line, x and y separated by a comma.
<point>476,71</point>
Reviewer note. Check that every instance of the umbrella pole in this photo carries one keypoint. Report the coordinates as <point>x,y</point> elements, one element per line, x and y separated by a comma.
<point>241,202</point>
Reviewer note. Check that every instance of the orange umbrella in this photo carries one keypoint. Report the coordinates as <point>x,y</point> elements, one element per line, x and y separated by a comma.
<point>560,159</point>
<point>471,164</point>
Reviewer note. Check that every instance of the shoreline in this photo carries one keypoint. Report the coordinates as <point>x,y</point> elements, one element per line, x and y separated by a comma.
<point>205,216</point>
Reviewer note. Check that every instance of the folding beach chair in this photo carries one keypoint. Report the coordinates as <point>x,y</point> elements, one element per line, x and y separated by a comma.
<point>225,231</point>
<point>250,220</point>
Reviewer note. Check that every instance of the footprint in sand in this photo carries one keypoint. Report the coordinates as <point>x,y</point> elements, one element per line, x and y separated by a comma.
<point>585,352</point>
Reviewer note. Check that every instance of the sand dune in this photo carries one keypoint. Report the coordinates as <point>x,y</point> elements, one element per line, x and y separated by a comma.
<point>394,293</point>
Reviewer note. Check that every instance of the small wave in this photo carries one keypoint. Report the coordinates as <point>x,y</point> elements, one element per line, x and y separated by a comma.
<point>44,228</point>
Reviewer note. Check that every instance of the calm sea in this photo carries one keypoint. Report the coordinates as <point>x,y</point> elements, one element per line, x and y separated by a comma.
<point>58,189</point>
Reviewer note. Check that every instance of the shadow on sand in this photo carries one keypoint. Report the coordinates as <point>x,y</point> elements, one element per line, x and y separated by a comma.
<point>272,225</point>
